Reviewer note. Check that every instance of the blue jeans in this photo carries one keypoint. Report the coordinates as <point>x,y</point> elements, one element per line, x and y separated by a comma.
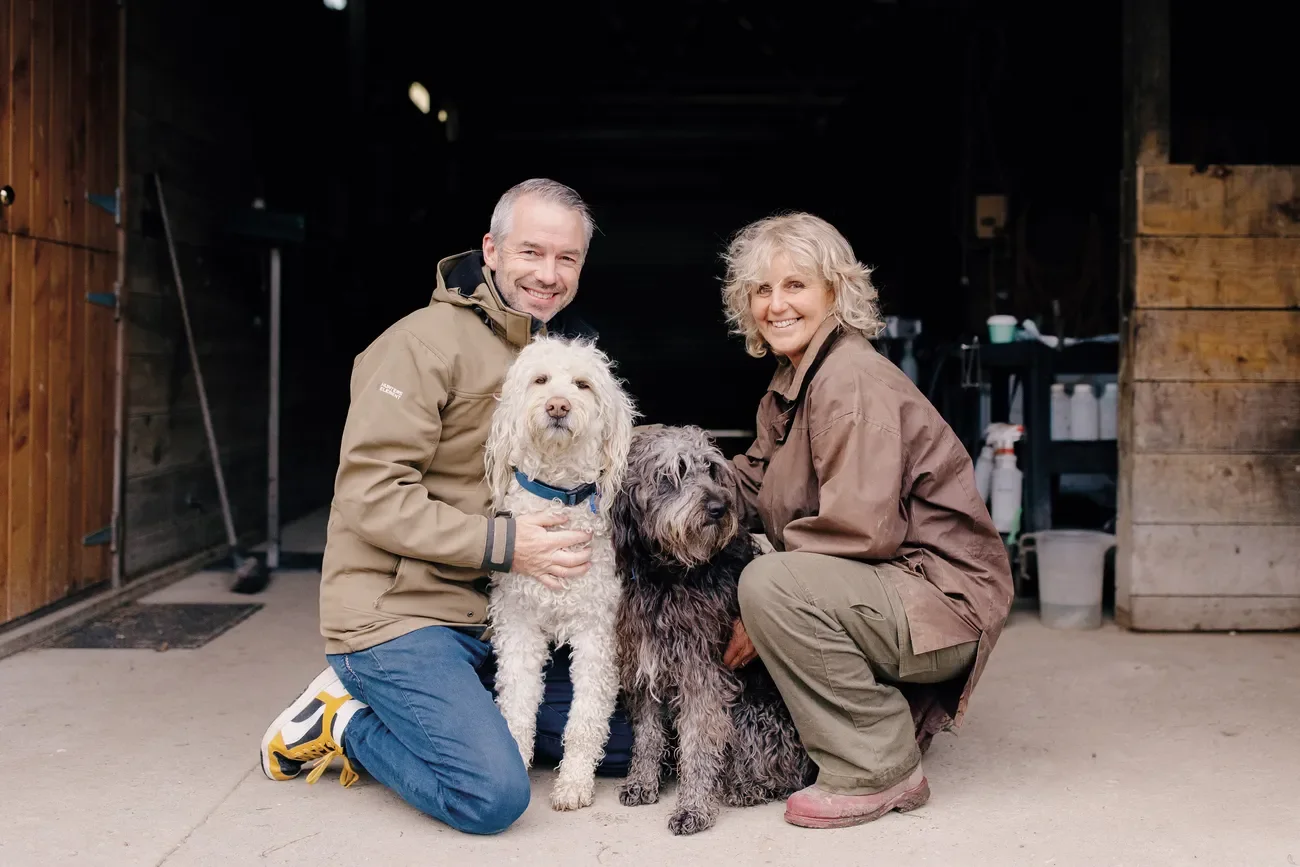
<point>433,734</point>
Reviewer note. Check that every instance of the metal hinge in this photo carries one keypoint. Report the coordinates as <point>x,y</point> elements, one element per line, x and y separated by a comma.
<point>112,204</point>
<point>102,536</point>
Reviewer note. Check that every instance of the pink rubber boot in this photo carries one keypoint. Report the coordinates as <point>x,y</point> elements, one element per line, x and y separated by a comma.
<point>817,808</point>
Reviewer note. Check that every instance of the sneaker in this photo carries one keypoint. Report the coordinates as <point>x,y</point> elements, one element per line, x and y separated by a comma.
<point>310,732</point>
<point>817,808</point>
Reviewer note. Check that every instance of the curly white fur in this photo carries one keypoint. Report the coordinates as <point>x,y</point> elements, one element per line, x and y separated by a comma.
<point>590,445</point>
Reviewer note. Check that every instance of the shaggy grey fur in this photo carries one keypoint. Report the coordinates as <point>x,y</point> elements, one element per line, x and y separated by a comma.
<point>680,547</point>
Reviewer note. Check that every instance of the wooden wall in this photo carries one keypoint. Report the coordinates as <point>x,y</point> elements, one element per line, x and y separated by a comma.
<point>58,142</point>
<point>1211,533</point>
<point>189,120</point>
<point>1209,439</point>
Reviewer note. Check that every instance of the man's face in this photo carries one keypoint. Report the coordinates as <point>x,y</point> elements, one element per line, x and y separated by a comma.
<point>537,264</point>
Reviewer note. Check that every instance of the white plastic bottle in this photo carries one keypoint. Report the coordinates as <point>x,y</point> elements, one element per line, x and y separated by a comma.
<point>1060,412</point>
<point>984,472</point>
<point>1083,413</point>
<point>908,363</point>
<point>1108,412</point>
<point>1007,480</point>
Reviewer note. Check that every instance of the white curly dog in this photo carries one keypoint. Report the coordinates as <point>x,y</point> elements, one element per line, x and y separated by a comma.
<point>558,444</point>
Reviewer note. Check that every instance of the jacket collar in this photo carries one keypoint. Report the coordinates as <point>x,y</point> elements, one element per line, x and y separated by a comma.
<point>788,380</point>
<point>456,273</point>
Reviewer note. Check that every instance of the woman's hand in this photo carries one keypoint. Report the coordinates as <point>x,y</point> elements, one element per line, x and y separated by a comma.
<point>740,650</point>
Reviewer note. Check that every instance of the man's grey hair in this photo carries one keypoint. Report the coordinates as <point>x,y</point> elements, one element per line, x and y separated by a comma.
<point>548,191</point>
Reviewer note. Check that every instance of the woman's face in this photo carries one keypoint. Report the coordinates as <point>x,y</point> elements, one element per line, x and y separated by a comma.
<point>789,306</point>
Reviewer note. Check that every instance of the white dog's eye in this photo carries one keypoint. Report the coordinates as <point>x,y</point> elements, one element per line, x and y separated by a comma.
<point>542,380</point>
<point>582,383</point>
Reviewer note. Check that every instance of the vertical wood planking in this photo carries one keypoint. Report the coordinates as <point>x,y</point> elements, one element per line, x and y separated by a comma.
<point>43,254</point>
<point>91,423</point>
<point>57,498</point>
<point>18,215</point>
<point>38,503</point>
<point>20,451</point>
<point>76,414</point>
<point>104,463</point>
<point>93,219</point>
<point>6,315</point>
<point>79,214</point>
<point>78,88</point>
<point>110,164</point>
<point>6,292</point>
<point>39,62</point>
<point>57,167</point>
<point>59,481</point>
<point>102,163</point>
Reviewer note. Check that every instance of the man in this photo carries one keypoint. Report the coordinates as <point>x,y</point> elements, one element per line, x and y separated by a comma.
<point>412,538</point>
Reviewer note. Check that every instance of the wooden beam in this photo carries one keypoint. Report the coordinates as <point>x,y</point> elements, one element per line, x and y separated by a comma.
<point>1262,201</point>
<point>1226,273</point>
<point>1236,560</point>
<point>1146,74</point>
<point>1216,489</point>
<point>1233,417</point>
<point>1222,345</point>
<point>1144,141</point>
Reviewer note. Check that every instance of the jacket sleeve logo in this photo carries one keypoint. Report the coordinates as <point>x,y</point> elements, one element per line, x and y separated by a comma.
<point>389,390</point>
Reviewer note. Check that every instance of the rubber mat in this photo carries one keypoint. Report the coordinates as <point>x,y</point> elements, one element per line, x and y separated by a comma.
<point>157,626</point>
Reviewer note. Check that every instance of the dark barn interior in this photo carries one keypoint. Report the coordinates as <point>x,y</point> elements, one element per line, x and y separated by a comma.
<point>678,124</point>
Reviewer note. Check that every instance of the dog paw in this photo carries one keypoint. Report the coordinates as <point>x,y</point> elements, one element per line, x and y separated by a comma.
<point>572,796</point>
<point>690,820</point>
<point>750,796</point>
<point>634,794</point>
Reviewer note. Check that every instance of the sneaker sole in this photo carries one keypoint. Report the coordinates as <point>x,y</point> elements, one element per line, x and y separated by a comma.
<point>906,802</point>
<point>325,677</point>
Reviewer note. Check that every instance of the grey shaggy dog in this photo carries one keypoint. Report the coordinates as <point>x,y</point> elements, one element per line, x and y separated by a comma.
<point>680,547</point>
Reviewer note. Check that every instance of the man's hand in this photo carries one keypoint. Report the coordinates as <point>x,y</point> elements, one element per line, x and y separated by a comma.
<point>740,650</point>
<point>539,552</point>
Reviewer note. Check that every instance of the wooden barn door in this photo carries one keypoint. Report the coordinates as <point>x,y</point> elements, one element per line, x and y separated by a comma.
<point>58,169</point>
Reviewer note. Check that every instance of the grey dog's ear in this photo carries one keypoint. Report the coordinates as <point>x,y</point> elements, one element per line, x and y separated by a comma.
<point>631,556</point>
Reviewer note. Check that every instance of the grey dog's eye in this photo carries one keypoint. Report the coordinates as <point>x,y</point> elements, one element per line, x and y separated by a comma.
<point>583,384</point>
<point>542,380</point>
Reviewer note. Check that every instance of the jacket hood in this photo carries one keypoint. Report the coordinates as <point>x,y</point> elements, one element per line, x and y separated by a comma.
<point>464,280</point>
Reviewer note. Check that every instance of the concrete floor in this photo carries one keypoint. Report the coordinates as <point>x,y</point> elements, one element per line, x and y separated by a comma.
<point>1100,748</point>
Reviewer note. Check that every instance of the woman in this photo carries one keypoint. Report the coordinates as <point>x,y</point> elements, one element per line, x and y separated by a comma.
<point>889,584</point>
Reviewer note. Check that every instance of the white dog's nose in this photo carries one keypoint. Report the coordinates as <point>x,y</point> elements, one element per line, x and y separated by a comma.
<point>557,407</point>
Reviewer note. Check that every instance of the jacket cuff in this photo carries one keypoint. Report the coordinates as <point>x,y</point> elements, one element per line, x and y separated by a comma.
<point>499,553</point>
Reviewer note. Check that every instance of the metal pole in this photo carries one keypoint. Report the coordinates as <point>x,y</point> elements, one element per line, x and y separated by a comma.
<point>273,424</point>
<point>198,375</point>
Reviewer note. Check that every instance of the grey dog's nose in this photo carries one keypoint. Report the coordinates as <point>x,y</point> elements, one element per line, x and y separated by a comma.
<point>557,407</point>
<point>716,509</point>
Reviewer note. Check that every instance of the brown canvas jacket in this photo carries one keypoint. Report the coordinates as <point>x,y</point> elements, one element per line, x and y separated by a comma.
<point>851,460</point>
<point>412,537</point>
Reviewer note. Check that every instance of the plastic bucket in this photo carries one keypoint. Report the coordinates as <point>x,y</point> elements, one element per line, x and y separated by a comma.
<point>1071,564</point>
<point>1002,328</point>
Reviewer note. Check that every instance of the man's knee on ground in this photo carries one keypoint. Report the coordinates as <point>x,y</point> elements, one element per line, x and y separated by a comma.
<point>500,798</point>
<point>765,584</point>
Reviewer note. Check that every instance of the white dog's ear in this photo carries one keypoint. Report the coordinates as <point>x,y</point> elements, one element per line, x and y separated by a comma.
<point>502,434</point>
<point>617,415</point>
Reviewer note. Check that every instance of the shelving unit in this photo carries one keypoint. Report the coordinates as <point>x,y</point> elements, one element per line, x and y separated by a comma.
<point>1041,459</point>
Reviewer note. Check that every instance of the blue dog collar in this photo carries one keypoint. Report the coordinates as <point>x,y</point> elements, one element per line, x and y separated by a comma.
<point>566,496</point>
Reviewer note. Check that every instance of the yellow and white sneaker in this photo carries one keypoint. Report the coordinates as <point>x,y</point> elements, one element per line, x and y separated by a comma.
<point>310,732</point>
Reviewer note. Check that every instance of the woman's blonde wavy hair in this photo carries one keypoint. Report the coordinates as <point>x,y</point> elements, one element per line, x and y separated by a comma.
<point>813,245</point>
